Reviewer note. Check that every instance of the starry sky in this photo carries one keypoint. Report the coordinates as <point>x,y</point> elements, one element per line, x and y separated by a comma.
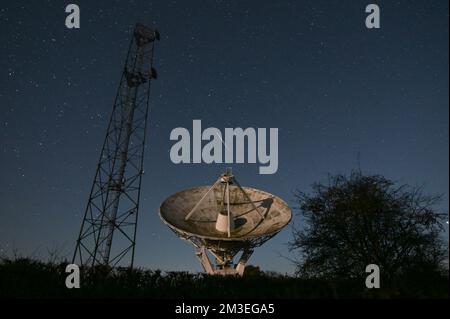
<point>337,91</point>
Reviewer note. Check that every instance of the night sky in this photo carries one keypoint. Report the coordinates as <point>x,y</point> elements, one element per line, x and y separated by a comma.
<point>336,90</point>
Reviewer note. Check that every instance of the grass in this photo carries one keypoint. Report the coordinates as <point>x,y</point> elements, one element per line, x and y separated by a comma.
<point>28,278</point>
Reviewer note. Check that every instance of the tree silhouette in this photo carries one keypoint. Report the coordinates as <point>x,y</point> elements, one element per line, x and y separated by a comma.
<point>350,222</point>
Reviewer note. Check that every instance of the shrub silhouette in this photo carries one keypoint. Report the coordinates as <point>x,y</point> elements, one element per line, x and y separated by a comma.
<point>27,278</point>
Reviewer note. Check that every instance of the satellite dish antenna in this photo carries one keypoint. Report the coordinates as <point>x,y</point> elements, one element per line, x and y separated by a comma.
<point>225,219</point>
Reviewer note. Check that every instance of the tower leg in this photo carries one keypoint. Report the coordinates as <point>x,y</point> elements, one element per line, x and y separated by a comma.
<point>240,267</point>
<point>204,260</point>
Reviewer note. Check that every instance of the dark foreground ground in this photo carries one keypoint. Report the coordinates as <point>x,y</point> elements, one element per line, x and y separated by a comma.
<point>25,278</point>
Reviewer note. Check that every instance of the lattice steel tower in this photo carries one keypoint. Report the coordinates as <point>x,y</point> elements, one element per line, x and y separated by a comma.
<point>112,209</point>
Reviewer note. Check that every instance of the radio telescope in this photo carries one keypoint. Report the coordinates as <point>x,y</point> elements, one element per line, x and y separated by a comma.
<point>225,219</point>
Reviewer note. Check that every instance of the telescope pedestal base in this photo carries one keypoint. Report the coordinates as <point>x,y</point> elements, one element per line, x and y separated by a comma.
<point>225,267</point>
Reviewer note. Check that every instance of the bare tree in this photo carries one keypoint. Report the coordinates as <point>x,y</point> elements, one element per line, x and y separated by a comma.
<point>350,222</point>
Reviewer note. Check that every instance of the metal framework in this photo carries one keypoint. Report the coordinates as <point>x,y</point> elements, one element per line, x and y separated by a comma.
<point>112,208</point>
<point>225,251</point>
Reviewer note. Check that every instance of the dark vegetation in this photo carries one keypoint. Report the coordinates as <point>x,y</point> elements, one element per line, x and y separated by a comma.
<point>25,278</point>
<point>351,222</point>
<point>346,224</point>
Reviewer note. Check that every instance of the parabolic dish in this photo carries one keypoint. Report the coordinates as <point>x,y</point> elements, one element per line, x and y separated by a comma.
<point>249,225</point>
